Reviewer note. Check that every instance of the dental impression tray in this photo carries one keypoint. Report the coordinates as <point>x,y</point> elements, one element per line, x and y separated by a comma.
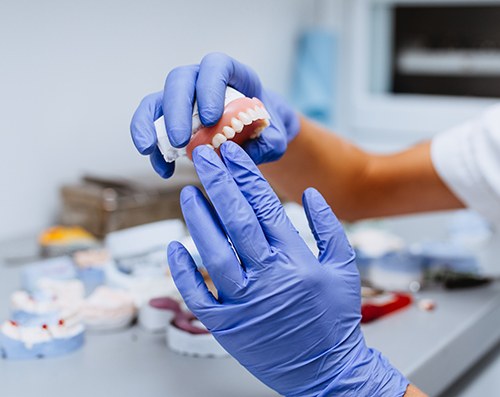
<point>243,119</point>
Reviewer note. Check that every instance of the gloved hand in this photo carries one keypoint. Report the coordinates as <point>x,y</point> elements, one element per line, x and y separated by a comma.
<point>207,83</point>
<point>293,320</point>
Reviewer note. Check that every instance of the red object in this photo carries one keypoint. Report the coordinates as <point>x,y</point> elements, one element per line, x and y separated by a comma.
<point>44,326</point>
<point>61,322</point>
<point>13,323</point>
<point>371,311</point>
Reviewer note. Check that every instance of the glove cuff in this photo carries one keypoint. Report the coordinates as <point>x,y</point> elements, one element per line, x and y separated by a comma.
<point>287,114</point>
<point>369,375</point>
<point>292,125</point>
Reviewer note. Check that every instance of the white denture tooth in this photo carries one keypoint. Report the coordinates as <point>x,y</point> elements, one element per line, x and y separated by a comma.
<point>259,112</point>
<point>218,140</point>
<point>253,114</point>
<point>265,113</point>
<point>236,124</point>
<point>245,118</point>
<point>258,131</point>
<point>228,132</point>
<point>266,123</point>
<point>210,146</point>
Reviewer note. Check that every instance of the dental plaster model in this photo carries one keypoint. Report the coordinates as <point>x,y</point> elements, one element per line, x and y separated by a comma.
<point>186,335</point>
<point>140,250</point>
<point>108,309</point>
<point>60,268</point>
<point>142,288</point>
<point>44,336</point>
<point>66,293</point>
<point>90,265</point>
<point>139,261</point>
<point>243,119</point>
<point>51,298</point>
<point>157,313</point>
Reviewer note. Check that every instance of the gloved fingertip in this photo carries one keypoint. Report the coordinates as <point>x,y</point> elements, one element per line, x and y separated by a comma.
<point>175,257</point>
<point>270,146</point>
<point>179,138</point>
<point>144,139</point>
<point>207,164</point>
<point>173,248</point>
<point>197,155</point>
<point>232,151</point>
<point>162,168</point>
<point>204,154</point>
<point>309,195</point>
<point>210,116</point>
<point>187,193</point>
<point>144,147</point>
<point>314,202</point>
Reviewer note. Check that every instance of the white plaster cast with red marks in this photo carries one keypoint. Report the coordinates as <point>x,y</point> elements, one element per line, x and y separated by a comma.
<point>243,119</point>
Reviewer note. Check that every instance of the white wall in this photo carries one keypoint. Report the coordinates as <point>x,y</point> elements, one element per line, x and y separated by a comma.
<point>72,73</point>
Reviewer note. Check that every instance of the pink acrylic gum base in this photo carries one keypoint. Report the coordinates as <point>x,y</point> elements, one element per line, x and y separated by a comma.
<point>204,135</point>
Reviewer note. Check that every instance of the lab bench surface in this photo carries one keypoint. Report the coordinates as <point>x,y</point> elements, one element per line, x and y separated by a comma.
<point>432,348</point>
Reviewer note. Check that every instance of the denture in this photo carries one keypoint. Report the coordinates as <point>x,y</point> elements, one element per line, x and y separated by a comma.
<point>243,119</point>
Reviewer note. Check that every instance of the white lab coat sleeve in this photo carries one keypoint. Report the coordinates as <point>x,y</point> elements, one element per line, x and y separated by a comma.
<point>467,158</point>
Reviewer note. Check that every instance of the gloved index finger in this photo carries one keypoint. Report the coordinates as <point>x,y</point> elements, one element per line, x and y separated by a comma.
<point>142,125</point>
<point>178,101</point>
<point>217,71</point>
<point>234,211</point>
<point>265,203</point>
<point>211,241</point>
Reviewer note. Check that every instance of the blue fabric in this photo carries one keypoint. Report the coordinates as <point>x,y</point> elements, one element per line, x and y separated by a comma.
<point>314,72</point>
<point>292,319</point>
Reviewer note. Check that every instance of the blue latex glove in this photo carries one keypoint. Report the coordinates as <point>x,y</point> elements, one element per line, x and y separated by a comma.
<point>207,82</point>
<point>293,320</point>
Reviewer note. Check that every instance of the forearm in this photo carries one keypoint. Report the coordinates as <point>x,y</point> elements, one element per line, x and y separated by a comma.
<point>355,183</point>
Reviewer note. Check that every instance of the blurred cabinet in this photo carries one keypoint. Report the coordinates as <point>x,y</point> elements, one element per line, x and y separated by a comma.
<point>417,67</point>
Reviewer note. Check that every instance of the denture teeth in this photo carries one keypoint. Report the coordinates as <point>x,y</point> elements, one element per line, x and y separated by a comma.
<point>253,114</point>
<point>228,132</point>
<point>265,113</point>
<point>245,118</point>
<point>236,124</point>
<point>266,123</point>
<point>259,112</point>
<point>210,146</point>
<point>218,140</point>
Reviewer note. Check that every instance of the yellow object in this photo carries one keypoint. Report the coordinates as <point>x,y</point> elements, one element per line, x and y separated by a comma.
<point>61,235</point>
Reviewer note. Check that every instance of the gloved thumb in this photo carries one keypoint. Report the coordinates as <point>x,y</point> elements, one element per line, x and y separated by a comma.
<point>270,146</point>
<point>334,248</point>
